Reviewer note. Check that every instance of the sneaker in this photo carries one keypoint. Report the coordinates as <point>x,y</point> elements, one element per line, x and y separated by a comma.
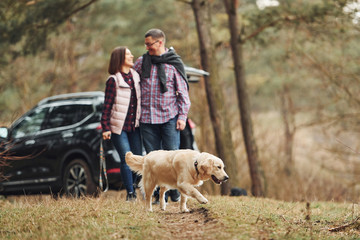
<point>131,197</point>
<point>156,196</point>
<point>174,195</point>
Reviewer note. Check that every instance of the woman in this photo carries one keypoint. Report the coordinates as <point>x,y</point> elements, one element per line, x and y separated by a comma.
<point>121,112</point>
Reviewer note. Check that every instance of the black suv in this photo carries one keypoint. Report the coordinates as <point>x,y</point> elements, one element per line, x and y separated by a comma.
<point>57,148</point>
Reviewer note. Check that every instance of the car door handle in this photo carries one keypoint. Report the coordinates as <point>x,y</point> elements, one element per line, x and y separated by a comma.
<point>30,142</point>
<point>68,134</point>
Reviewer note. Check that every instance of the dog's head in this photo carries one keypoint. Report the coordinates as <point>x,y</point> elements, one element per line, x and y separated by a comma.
<point>212,167</point>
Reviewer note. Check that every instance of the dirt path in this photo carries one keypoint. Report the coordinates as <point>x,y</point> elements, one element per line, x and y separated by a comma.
<point>197,224</point>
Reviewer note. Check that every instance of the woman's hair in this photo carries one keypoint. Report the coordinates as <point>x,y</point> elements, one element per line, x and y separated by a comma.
<point>117,59</point>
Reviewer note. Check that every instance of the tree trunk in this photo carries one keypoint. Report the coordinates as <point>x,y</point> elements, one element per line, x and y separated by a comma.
<point>288,113</point>
<point>243,99</point>
<point>214,94</point>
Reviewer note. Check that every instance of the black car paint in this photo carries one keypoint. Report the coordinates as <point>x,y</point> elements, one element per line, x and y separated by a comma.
<point>45,154</point>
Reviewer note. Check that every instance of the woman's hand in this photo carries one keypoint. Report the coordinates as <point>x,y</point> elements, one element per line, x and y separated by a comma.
<point>106,135</point>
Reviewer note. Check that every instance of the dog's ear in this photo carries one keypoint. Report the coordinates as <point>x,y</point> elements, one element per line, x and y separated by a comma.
<point>205,166</point>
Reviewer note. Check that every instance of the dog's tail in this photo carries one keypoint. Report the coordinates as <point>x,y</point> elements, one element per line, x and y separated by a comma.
<point>135,162</point>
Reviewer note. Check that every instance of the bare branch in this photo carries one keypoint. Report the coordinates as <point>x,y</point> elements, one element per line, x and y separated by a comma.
<point>347,146</point>
<point>82,7</point>
<point>258,31</point>
<point>328,120</point>
<point>71,13</point>
<point>184,1</point>
<point>288,18</point>
<point>343,227</point>
<point>330,76</point>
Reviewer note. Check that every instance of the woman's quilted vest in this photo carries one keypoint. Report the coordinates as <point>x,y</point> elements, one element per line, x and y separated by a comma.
<point>122,100</point>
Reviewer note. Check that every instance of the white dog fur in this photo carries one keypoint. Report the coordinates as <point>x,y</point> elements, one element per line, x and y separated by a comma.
<point>180,169</point>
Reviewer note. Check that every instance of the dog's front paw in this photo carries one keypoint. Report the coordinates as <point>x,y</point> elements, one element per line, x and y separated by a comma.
<point>203,201</point>
<point>185,210</point>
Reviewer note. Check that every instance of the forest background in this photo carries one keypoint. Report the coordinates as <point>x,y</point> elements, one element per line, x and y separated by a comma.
<point>301,64</point>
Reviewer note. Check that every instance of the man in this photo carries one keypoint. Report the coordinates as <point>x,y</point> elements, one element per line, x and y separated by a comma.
<point>164,96</point>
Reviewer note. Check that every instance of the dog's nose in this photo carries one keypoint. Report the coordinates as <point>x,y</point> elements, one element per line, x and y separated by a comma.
<point>226,178</point>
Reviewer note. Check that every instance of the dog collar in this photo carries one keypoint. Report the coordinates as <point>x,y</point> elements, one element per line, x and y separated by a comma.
<point>196,164</point>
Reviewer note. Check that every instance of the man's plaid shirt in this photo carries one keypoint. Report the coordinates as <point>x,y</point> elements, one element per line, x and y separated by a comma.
<point>157,107</point>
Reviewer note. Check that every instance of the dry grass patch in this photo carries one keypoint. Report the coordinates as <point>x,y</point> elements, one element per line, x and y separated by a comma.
<point>88,218</point>
<point>110,217</point>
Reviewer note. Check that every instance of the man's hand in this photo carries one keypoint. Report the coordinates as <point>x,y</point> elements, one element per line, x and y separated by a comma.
<point>180,125</point>
<point>106,135</point>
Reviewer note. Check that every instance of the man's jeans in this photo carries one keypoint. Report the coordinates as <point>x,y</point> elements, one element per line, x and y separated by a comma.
<point>160,136</point>
<point>125,142</point>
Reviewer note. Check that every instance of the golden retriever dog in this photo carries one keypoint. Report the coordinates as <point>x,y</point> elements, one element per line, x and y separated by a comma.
<point>180,169</point>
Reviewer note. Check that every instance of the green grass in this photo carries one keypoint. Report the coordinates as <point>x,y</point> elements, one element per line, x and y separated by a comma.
<point>110,217</point>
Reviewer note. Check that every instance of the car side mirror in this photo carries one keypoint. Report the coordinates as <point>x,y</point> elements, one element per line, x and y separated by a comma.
<point>4,132</point>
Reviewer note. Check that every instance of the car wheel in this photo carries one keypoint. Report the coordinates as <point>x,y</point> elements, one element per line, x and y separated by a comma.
<point>77,179</point>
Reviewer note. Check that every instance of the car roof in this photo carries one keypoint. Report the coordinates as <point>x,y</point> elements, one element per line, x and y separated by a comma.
<point>96,95</point>
<point>194,74</point>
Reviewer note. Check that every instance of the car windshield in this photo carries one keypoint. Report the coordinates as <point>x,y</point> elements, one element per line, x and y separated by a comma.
<point>30,124</point>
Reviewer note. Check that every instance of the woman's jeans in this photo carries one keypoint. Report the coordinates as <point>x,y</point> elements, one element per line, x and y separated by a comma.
<point>125,142</point>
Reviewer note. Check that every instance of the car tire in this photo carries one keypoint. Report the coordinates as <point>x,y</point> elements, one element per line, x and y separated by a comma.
<point>77,180</point>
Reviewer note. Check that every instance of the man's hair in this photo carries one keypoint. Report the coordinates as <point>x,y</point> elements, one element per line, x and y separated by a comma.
<point>156,34</point>
<point>117,59</point>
